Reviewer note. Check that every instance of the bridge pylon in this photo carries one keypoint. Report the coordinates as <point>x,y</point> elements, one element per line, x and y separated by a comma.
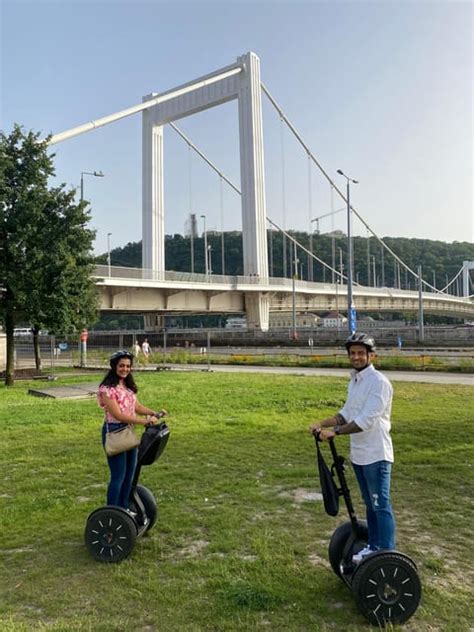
<point>239,81</point>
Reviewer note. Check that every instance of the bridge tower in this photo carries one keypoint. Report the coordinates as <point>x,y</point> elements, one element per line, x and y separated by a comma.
<point>239,81</point>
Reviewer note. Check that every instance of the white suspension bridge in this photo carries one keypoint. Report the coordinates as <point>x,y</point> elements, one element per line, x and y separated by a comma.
<point>155,291</point>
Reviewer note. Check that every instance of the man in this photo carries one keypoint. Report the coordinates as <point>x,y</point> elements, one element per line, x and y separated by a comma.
<point>366,418</point>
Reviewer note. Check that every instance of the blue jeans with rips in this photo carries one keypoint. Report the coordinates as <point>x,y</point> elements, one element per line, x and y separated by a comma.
<point>374,483</point>
<point>122,469</point>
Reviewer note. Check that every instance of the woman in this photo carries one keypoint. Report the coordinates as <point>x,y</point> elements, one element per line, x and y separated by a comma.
<point>117,396</point>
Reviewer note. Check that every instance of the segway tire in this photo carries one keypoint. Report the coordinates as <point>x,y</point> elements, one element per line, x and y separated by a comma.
<point>337,549</point>
<point>149,502</point>
<point>110,534</point>
<point>387,588</point>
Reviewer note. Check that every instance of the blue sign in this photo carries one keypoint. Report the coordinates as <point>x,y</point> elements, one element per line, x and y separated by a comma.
<point>353,319</point>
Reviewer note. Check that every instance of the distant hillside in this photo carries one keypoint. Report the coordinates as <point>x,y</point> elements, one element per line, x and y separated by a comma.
<point>439,259</point>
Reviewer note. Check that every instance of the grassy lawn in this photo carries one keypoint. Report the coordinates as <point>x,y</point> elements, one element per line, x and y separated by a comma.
<point>236,546</point>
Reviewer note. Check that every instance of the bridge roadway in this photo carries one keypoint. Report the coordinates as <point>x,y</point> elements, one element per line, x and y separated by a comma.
<point>146,291</point>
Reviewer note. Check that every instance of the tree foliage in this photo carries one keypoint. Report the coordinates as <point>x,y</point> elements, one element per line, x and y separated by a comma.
<point>45,260</point>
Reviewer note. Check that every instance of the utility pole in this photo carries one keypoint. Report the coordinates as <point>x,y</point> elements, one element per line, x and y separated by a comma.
<point>293,284</point>
<point>351,312</point>
<point>421,329</point>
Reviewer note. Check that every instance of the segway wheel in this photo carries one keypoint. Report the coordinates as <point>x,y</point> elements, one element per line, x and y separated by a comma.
<point>149,502</point>
<point>387,588</point>
<point>341,549</point>
<point>110,534</point>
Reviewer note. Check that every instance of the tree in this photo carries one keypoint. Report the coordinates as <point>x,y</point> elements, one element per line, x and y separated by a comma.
<point>46,260</point>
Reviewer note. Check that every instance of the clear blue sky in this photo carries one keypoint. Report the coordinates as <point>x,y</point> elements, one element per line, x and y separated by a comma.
<point>380,89</point>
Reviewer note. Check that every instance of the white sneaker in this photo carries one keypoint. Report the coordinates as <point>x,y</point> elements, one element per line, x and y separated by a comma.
<point>358,557</point>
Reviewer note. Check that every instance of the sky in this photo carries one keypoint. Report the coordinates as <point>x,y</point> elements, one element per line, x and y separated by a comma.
<point>382,90</point>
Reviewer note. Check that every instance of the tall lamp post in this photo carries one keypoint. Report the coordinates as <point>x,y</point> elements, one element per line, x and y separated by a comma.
<point>209,253</point>
<point>97,174</point>
<point>205,247</point>
<point>293,287</point>
<point>109,261</point>
<point>351,313</point>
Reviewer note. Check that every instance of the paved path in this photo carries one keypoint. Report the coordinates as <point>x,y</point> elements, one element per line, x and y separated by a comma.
<point>393,376</point>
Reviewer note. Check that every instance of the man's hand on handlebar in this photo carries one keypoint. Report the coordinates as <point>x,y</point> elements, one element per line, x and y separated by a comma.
<point>323,434</point>
<point>326,434</point>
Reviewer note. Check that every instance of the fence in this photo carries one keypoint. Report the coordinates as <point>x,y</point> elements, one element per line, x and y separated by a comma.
<point>193,345</point>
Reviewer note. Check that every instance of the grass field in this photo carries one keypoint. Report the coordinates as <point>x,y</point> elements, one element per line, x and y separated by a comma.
<point>236,546</point>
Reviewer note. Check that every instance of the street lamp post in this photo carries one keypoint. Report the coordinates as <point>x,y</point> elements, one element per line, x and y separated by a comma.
<point>205,246</point>
<point>351,314</point>
<point>97,174</point>
<point>374,278</point>
<point>293,287</point>
<point>109,261</point>
<point>209,254</point>
<point>421,327</point>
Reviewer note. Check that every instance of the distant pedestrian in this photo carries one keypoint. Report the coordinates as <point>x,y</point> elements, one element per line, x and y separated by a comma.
<point>146,349</point>
<point>136,349</point>
<point>399,342</point>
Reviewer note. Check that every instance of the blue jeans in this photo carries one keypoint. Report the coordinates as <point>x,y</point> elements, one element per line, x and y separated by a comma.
<point>122,469</point>
<point>374,483</point>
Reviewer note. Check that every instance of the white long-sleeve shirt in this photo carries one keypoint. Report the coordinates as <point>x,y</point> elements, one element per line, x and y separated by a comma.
<point>369,404</point>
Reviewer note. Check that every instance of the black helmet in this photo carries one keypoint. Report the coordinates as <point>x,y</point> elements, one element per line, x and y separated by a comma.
<point>360,339</point>
<point>123,353</point>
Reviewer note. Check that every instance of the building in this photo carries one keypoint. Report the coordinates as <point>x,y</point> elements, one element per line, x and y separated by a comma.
<point>285,320</point>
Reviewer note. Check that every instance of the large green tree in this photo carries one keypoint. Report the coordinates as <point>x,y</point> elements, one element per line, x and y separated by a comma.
<point>46,248</point>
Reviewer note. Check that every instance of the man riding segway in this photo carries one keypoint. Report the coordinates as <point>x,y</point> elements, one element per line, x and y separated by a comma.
<point>366,418</point>
<point>385,582</point>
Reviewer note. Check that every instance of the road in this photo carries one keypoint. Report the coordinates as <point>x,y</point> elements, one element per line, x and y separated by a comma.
<point>393,376</point>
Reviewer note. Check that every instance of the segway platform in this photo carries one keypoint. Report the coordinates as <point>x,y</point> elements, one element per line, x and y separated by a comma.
<point>385,584</point>
<point>111,531</point>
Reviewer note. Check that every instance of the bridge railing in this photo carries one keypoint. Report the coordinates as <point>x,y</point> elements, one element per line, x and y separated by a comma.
<point>121,272</point>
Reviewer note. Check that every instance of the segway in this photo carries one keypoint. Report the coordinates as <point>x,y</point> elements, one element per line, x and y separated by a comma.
<point>111,531</point>
<point>386,584</point>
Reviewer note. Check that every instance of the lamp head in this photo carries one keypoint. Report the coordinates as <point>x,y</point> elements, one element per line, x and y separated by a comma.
<point>340,172</point>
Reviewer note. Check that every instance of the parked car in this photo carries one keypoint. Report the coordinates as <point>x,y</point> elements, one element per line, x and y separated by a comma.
<point>23,331</point>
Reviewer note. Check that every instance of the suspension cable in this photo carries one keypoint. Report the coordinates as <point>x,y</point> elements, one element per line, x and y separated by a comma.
<point>191,145</point>
<point>204,157</point>
<point>308,252</point>
<point>334,185</point>
<point>452,280</point>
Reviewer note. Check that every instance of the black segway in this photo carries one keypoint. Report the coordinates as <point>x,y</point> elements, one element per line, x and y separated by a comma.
<point>386,584</point>
<point>111,531</point>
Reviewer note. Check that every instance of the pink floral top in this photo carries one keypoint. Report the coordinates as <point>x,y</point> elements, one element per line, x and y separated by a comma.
<point>125,398</point>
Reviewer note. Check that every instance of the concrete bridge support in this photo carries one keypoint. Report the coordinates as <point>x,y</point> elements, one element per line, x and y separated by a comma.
<point>240,81</point>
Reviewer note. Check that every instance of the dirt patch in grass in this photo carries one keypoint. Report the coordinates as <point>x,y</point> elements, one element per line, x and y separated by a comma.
<point>301,495</point>
<point>26,374</point>
<point>193,549</point>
